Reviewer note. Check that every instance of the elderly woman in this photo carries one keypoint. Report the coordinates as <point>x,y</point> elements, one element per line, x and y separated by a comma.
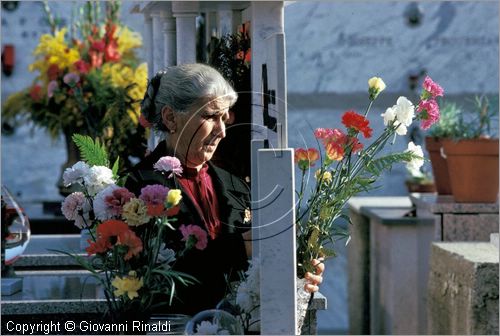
<point>190,103</point>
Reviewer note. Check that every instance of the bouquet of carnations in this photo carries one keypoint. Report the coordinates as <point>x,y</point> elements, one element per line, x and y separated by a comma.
<point>127,253</point>
<point>89,80</point>
<point>347,167</point>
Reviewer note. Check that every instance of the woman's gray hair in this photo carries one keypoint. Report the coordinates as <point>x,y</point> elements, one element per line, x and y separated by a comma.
<point>182,88</point>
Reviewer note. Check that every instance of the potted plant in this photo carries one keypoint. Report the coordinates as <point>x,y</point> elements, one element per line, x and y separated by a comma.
<point>472,155</point>
<point>419,181</point>
<point>443,129</point>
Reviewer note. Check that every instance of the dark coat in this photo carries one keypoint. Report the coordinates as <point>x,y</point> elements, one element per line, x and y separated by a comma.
<point>223,256</point>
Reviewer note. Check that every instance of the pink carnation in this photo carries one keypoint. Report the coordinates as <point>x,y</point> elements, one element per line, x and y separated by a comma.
<point>154,194</point>
<point>76,208</point>
<point>428,113</point>
<point>169,164</point>
<point>433,88</point>
<point>323,133</point>
<point>51,88</point>
<point>117,200</point>
<point>197,233</point>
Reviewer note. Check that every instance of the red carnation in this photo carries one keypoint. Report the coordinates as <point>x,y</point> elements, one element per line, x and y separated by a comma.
<point>357,122</point>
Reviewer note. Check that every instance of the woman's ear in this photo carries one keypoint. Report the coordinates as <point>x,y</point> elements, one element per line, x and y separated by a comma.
<point>168,119</point>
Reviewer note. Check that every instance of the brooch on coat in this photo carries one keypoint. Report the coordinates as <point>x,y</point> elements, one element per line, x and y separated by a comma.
<point>248,216</point>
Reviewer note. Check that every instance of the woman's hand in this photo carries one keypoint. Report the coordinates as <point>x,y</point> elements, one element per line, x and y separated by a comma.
<point>313,280</point>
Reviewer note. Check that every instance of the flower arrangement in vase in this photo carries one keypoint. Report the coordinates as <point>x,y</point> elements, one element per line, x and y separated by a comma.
<point>127,250</point>
<point>88,80</point>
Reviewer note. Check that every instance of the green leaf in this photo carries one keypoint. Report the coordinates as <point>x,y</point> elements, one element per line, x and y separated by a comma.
<point>377,166</point>
<point>92,152</point>
<point>327,253</point>
<point>115,168</point>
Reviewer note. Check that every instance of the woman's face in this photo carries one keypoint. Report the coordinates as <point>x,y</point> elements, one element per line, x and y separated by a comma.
<point>198,133</point>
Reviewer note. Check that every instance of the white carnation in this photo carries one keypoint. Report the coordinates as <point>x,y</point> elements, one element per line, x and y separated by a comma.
<point>401,130</point>
<point>416,163</point>
<point>405,111</point>
<point>101,210</point>
<point>98,178</point>
<point>389,115</point>
<point>75,174</point>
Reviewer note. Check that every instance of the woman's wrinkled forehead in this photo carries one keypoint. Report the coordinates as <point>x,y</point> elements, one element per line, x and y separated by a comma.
<point>220,104</point>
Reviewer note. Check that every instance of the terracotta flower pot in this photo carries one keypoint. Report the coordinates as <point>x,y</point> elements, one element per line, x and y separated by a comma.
<point>473,169</point>
<point>439,166</point>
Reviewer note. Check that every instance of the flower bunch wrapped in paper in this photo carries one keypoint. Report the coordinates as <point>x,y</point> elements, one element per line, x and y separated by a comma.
<point>89,80</point>
<point>348,167</point>
<point>129,233</point>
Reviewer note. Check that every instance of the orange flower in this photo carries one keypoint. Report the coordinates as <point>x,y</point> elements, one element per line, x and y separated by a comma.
<point>111,53</point>
<point>306,158</point>
<point>357,122</point>
<point>134,243</point>
<point>334,150</point>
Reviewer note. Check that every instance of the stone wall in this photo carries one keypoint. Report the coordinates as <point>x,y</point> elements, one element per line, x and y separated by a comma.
<point>463,289</point>
<point>335,46</point>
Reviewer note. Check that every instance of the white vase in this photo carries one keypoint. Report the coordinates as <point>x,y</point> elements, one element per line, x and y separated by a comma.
<point>303,299</point>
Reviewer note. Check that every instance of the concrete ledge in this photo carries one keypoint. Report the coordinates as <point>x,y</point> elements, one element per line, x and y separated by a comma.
<point>463,289</point>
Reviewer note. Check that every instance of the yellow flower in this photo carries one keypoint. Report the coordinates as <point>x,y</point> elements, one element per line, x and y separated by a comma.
<point>376,83</point>
<point>128,285</point>
<point>327,176</point>
<point>135,212</point>
<point>122,76</point>
<point>375,86</point>
<point>52,49</point>
<point>174,197</point>
<point>127,39</point>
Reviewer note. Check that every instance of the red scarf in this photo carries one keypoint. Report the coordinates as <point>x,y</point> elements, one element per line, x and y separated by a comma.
<point>199,187</point>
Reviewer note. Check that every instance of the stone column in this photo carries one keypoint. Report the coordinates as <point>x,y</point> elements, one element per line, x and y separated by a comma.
<point>185,14</point>
<point>148,42</point>
<point>158,17</point>
<point>225,22</point>
<point>170,41</point>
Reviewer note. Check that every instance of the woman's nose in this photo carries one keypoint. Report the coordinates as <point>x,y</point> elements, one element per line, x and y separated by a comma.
<point>220,129</point>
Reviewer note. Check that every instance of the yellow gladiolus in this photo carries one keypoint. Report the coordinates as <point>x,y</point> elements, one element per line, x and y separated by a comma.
<point>128,39</point>
<point>58,52</point>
